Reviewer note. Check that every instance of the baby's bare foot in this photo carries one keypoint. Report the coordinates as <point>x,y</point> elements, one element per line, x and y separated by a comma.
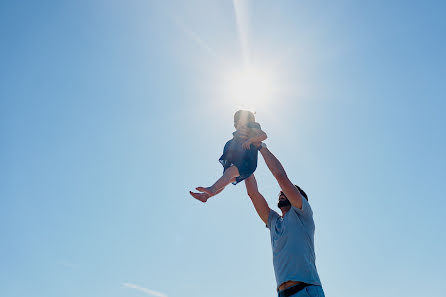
<point>203,197</point>
<point>208,191</point>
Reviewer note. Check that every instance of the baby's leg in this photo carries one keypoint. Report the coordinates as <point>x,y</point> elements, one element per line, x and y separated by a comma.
<point>228,176</point>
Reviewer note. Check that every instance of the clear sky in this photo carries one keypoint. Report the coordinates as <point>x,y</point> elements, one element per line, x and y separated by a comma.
<point>111,111</point>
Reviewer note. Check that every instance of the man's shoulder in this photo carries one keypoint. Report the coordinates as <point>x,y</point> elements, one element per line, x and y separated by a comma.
<point>305,205</point>
<point>274,213</point>
<point>305,212</point>
<point>272,217</point>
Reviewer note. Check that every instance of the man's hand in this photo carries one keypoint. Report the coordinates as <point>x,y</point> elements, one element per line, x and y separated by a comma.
<point>243,133</point>
<point>247,144</point>
<point>257,144</point>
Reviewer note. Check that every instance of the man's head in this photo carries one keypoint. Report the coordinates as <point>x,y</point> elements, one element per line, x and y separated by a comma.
<point>283,200</point>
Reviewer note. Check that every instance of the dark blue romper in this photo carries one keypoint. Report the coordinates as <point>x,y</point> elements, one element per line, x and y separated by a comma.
<point>235,154</point>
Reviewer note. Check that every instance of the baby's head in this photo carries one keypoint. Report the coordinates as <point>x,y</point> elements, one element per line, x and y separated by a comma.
<point>242,118</point>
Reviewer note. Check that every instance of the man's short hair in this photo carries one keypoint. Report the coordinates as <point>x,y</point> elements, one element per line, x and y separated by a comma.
<point>302,192</point>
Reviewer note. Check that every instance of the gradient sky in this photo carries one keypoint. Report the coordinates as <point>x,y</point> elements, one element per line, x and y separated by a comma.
<point>111,111</point>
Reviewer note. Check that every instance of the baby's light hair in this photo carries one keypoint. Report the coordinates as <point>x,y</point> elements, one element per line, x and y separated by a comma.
<point>245,114</point>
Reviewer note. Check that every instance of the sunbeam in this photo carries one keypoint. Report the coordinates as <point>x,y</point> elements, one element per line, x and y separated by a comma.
<point>242,19</point>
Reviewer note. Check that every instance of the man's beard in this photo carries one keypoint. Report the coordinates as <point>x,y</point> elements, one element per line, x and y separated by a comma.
<point>283,203</point>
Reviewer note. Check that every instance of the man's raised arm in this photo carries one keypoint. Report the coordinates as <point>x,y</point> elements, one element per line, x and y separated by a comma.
<point>276,168</point>
<point>257,199</point>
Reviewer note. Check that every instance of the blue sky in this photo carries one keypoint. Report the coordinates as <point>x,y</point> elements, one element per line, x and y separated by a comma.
<point>111,111</point>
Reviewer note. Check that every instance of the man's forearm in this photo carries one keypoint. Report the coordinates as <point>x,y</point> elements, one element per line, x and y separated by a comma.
<point>273,163</point>
<point>257,199</point>
<point>290,191</point>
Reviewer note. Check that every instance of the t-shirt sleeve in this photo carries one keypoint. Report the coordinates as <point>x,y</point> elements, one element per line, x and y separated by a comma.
<point>305,211</point>
<point>272,218</point>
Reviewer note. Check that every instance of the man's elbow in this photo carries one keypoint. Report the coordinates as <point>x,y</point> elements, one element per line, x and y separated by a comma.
<point>252,193</point>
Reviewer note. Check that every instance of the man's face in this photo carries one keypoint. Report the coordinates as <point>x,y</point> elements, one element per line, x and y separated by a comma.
<point>283,200</point>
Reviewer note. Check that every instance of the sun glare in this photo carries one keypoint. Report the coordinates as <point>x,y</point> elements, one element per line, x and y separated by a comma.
<point>249,87</point>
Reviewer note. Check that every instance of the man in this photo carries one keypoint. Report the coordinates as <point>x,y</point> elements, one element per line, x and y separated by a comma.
<point>292,234</point>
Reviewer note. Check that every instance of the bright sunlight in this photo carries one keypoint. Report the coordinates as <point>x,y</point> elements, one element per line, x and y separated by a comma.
<point>248,87</point>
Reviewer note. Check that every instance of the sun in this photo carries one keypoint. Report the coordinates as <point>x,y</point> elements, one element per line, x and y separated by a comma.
<point>249,87</point>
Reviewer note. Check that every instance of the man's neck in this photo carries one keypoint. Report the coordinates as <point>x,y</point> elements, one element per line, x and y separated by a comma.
<point>285,210</point>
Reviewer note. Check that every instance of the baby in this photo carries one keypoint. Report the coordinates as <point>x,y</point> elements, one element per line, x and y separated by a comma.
<point>239,157</point>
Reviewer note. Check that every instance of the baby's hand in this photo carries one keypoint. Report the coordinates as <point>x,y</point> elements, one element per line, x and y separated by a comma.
<point>247,144</point>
